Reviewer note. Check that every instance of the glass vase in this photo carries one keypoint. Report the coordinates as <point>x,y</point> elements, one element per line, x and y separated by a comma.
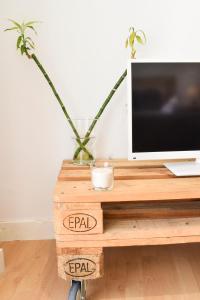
<point>84,146</point>
<point>84,153</point>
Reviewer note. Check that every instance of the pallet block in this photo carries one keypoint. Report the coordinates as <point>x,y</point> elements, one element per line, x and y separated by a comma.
<point>80,263</point>
<point>80,220</point>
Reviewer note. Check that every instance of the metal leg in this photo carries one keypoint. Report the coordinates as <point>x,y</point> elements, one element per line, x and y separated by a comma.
<point>74,292</point>
<point>77,290</point>
<point>83,290</point>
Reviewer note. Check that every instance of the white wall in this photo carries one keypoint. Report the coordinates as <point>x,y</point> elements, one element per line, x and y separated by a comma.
<point>81,43</point>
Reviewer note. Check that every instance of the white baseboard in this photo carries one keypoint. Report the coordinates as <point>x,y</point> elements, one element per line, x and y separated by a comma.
<point>26,230</point>
<point>2,262</point>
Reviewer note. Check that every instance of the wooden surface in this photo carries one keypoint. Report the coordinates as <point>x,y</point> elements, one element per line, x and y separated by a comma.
<point>152,210</point>
<point>134,181</point>
<point>76,221</point>
<point>80,262</point>
<point>132,273</point>
<point>130,190</point>
<point>84,266</point>
<point>120,174</point>
<point>127,232</point>
<point>147,206</point>
<point>121,163</point>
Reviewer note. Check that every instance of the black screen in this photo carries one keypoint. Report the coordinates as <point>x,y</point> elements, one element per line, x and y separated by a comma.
<point>165,106</point>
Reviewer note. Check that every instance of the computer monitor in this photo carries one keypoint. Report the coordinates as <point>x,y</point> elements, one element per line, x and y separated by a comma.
<point>164,109</point>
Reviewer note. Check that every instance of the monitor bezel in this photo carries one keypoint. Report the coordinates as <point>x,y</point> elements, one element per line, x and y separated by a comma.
<point>152,155</point>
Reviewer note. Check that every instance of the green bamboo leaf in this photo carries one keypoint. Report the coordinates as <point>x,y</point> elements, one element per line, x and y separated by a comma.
<point>12,28</point>
<point>133,52</point>
<point>132,38</point>
<point>19,41</point>
<point>22,48</point>
<point>15,23</point>
<point>135,35</point>
<point>31,23</point>
<point>23,28</point>
<point>30,39</point>
<point>126,43</point>
<point>139,39</point>
<point>143,34</point>
<point>31,27</point>
<point>30,44</point>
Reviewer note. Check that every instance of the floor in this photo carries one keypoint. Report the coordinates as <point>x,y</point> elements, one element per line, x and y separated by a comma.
<point>153,273</point>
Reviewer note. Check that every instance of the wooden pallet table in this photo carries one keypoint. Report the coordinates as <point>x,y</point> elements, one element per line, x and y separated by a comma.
<point>147,206</point>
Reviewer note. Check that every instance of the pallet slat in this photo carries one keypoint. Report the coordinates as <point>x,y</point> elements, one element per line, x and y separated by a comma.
<point>130,190</point>
<point>124,163</point>
<point>152,210</point>
<point>120,174</point>
<point>136,232</point>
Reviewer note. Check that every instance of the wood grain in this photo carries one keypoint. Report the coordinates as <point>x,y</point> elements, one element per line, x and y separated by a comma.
<point>124,163</point>
<point>76,251</point>
<point>130,190</point>
<point>152,210</point>
<point>147,206</point>
<point>80,266</point>
<point>78,221</point>
<point>139,273</point>
<point>127,232</point>
<point>119,173</point>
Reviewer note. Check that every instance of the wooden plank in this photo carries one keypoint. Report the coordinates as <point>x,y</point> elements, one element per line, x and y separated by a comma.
<point>78,221</point>
<point>121,163</point>
<point>76,205</point>
<point>130,190</point>
<point>128,232</point>
<point>152,210</point>
<point>81,266</point>
<point>77,251</point>
<point>120,174</point>
<point>135,242</point>
<point>153,213</point>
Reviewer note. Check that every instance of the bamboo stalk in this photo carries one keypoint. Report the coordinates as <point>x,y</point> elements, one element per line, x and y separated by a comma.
<point>81,146</point>
<point>34,57</point>
<point>101,110</point>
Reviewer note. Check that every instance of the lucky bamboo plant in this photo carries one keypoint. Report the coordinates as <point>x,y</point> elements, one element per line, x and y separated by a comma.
<point>26,47</point>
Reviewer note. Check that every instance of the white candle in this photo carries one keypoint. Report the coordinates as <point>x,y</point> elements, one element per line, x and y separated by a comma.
<point>102,177</point>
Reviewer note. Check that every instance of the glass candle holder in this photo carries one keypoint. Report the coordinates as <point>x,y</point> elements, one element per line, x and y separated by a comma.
<point>102,176</point>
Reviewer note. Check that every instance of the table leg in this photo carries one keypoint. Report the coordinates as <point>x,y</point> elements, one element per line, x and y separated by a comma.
<point>77,290</point>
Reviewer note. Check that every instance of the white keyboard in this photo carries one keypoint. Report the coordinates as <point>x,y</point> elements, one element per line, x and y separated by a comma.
<point>184,168</point>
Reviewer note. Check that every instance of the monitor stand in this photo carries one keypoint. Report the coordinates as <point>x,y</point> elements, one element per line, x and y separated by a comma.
<point>187,168</point>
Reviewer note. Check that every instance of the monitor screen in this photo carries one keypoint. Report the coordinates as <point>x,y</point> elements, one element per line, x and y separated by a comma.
<point>165,106</point>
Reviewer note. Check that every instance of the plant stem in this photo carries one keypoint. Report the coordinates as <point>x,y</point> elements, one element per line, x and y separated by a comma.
<point>101,110</point>
<point>34,57</point>
<point>81,146</point>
